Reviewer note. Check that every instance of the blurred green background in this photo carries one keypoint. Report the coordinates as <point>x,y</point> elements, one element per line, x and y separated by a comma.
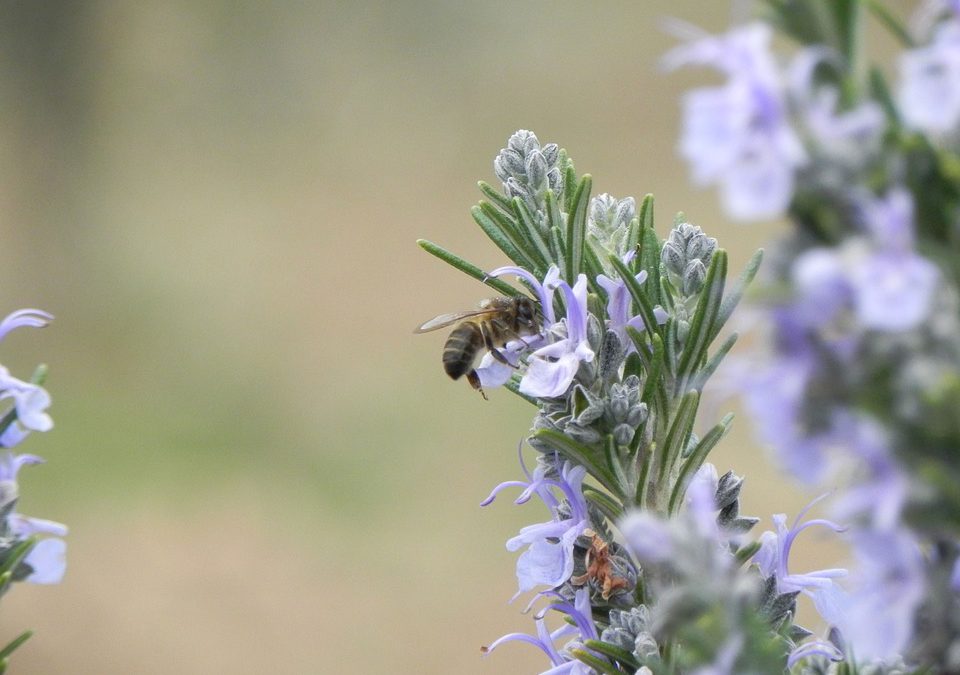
<point>263,469</point>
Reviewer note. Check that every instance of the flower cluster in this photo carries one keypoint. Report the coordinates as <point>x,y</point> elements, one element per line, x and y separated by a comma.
<point>31,549</point>
<point>860,389</point>
<point>644,551</point>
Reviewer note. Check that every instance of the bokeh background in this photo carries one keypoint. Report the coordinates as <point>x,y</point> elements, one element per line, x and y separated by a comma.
<point>263,469</point>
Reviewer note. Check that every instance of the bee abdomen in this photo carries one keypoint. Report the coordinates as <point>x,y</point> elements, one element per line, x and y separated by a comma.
<point>461,349</point>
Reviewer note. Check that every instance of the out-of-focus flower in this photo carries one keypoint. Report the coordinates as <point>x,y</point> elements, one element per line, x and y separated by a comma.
<point>893,287</point>
<point>739,135</point>
<point>929,96</point>
<point>876,617</point>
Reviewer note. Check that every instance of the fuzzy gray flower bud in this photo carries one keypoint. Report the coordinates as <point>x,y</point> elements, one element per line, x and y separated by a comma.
<point>608,223</point>
<point>686,256</point>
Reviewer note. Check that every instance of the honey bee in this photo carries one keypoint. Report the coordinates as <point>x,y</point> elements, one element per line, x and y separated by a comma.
<point>491,326</point>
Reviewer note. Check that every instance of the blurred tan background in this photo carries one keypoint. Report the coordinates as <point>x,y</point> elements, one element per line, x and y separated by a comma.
<point>263,469</point>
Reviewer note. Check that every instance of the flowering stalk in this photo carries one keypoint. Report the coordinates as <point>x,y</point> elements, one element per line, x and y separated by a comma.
<point>862,383</point>
<point>31,549</point>
<point>637,518</point>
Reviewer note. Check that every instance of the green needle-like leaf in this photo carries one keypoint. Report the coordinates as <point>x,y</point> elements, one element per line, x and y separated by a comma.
<point>710,367</point>
<point>610,508</point>
<point>499,199</point>
<point>746,552</point>
<point>513,385</point>
<point>16,642</point>
<point>880,91</point>
<point>596,663</point>
<point>650,259</point>
<point>696,459</point>
<point>736,291</point>
<point>467,268</point>
<point>679,434</point>
<point>532,230</point>
<point>702,326</point>
<point>501,238</point>
<point>517,234</point>
<point>613,652</point>
<point>891,22</point>
<point>577,229</point>
<point>16,554</point>
<point>583,455</point>
<point>612,455</point>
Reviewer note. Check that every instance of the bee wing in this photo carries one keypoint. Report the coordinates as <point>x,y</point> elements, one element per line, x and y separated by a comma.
<point>445,320</point>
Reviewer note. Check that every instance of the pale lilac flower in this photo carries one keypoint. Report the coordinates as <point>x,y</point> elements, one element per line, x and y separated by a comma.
<point>24,317</point>
<point>894,287</point>
<point>551,368</point>
<point>929,97</point>
<point>548,559</point>
<point>774,554</point>
<point>821,287</point>
<point>47,558</point>
<point>619,303</point>
<point>738,135</point>
<point>650,538</point>
<point>811,648</point>
<point>582,628</point>
<point>876,617</point>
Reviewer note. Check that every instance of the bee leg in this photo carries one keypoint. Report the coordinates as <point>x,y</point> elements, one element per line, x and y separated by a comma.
<point>492,348</point>
<point>474,381</point>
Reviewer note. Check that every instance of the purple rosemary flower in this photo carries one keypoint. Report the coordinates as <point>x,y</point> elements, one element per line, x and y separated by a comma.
<point>581,629</point>
<point>30,401</point>
<point>893,287</point>
<point>929,94</point>
<point>24,317</point>
<point>551,368</point>
<point>649,537</point>
<point>619,302</point>
<point>548,559</point>
<point>738,135</point>
<point>812,648</point>
<point>47,558</point>
<point>774,554</point>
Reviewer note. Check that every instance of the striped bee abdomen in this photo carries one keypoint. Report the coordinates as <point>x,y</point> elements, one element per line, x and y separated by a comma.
<point>461,349</point>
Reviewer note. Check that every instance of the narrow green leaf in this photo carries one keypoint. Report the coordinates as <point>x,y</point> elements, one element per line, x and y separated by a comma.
<point>39,374</point>
<point>736,291</point>
<point>744,553</point>
<point>679,434</point>
<point>594,268</point>
<point>643,481</point>
<point>637,293</point>
<point>594,662</point>
<point>890,22</point>
<point>612,455</point>
<point>517,235</point>
<point>467,268</point>
<point>696,459</point>
<point>880,91</point>
<point>700,379</point>
<point>17,553</point>
<point>532,230</point>
<point>582,455</point>
<point>16,642</point>
<point>607,505</point>
<point>501,201</point>
<point>633,239</point>
<point>500,238</point>
<point>702,326</point>
<point>577,229</point>
<point>613,652</point>
<point>650,260</point>
<point>556,243</point>
<point>569,187</point>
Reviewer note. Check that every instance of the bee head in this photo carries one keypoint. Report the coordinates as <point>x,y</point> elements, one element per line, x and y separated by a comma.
<point>527,314</point>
